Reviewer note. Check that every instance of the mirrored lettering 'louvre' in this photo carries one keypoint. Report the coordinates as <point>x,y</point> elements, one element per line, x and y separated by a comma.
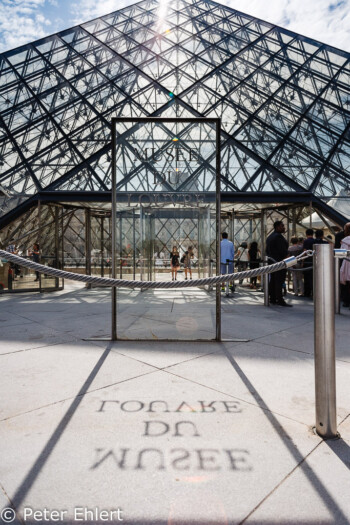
<point>283,100</point>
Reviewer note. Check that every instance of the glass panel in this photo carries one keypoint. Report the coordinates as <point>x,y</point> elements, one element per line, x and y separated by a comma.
<point>165,227</point>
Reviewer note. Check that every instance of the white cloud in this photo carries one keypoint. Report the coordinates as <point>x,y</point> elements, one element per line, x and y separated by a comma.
<point>21,22</point>
<point>85,10</point>
<point>327,21</point>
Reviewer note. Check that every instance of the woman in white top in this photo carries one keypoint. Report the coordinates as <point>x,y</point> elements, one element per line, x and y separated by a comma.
<point>242,258</point>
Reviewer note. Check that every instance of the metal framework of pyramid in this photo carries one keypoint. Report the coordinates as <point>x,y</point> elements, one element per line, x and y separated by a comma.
<point>284,101</point>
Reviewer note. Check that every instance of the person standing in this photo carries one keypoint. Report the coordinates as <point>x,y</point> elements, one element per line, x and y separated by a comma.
<point>345,267</point>
<point>174,263</point>
<point>277,250</point>
<point>254,261</point>
<point>339,236</point>
<point>187,261</point>
<point>35,253</point>
<point>227,253</point>
<point>294,250</point>
<point>319,237</point>
<point>308,263</point>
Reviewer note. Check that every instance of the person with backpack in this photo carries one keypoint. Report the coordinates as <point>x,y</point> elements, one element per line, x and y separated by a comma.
<point>186,260</point>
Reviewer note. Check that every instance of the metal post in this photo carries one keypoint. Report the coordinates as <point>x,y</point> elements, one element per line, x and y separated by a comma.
<point>210,287</point>
<point>324,341</point>
<point>88,244</point>
<point>337,285</point>
<point>62,240</point>
<point>199,240</point>
<point>263,233</point>
<point>218,229</point>
<point>102,247</point>
<point>114,235</point>
<point>227,290</point>
<point>133,244</point>
<point>294,227</point>
<point>310,211</point>
<point>266,283</point>
<point>39,242</point>
<point>121,246</point>
<point>57,244</point>
<point>141,243</point>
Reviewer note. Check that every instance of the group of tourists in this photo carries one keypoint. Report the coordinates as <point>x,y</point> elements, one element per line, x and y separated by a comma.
<point>277,249</point>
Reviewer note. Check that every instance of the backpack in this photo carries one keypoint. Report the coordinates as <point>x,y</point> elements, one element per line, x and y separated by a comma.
<point>182,260</point>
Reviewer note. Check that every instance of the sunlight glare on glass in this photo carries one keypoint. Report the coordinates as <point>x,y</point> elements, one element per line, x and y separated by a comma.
<point>162,16</point>
<point>163,9</point>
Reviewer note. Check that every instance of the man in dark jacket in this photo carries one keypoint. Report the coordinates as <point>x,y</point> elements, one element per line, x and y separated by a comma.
<point>277,249</point>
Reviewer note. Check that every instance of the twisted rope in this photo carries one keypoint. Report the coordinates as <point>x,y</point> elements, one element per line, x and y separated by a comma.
<point>106,281</point>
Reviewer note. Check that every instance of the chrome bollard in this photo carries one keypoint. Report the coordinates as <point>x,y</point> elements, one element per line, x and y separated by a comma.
<point>324,342</point>
<point>266,284</point>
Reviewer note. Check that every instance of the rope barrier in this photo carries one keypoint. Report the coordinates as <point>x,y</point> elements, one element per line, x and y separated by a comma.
<point>106,281</point>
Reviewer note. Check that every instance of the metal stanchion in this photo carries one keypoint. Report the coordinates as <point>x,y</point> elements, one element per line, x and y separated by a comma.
<point>210,287</point>
<point>141,271</point>
<point>337,284</point>
<point>266,284</point>
<point>324,341</point>
<point>227,290</point>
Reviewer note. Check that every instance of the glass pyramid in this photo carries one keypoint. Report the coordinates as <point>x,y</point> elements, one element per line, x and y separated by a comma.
<point>284,100</point>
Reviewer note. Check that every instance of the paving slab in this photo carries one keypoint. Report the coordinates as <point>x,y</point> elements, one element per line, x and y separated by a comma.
<point>320,489</point>
<point>10,319</point>
<point>166,314</point>
<point>161,354</point>
<point>192,455</point>
<point>29,335</point>
<point>81,326</point>
<point>49,374</point>
<point>302,339</point>
<point>276,379</point>
<point>241,321</point>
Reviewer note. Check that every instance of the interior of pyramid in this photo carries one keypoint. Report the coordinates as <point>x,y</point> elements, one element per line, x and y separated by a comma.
<point>283,100</point>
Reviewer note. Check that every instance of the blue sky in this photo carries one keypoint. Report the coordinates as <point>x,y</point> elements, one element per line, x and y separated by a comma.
<point>23,21</point>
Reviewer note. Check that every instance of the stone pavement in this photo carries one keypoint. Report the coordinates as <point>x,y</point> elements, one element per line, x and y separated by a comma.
<point>160,433</point>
